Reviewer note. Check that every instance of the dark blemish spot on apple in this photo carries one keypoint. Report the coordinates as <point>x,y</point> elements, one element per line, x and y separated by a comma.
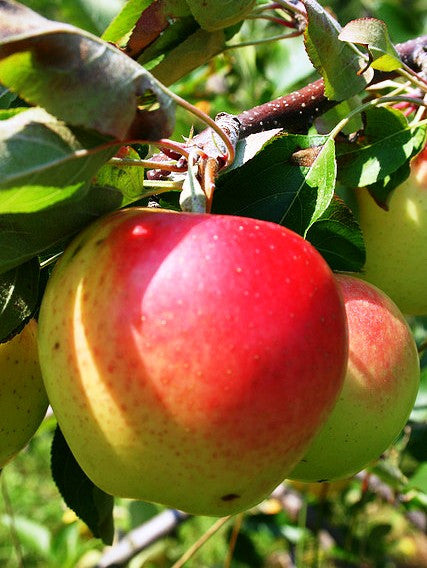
<point>322,480</point>
<point>57,345</point>
<point>76,251</point>
<point>98,242</point>
<point>230,497</point>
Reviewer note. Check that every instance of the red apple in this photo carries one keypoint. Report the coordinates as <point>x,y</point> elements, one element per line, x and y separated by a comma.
<point>379,390</point>
<point>191,358</point>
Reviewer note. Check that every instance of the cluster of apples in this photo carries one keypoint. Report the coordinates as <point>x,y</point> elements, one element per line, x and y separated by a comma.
<point>198,360</point>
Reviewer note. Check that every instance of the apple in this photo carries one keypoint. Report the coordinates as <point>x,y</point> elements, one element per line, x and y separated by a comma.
<point>190,358</point>
<point>379,391</point>
<point>23,400</point>
<point>396,240</point>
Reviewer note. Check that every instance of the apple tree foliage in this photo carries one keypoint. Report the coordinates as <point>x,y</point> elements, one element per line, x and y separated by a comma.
<point>83,109</point>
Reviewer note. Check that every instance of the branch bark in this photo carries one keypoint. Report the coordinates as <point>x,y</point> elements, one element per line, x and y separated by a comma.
<point>296,111</point>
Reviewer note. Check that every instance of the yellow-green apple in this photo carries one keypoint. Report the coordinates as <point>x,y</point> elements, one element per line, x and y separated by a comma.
<point>191,358</point>
<point>23,400</point>
<point>379,389</point>
<point>396,240</point>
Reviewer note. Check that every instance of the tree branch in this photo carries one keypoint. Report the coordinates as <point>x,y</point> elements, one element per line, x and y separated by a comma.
<point>297,111</point>
<point>129,546</point>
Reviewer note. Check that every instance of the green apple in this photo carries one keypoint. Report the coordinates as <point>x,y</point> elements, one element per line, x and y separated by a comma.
<point>379,390</point>
<point>185,355</point>
<point>23,400</point>
<point>396,240</point>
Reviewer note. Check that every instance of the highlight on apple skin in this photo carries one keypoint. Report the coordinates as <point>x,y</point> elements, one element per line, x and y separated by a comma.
<point>185,355</point>
<point>379,389</point>
<point>396,240</point>
<point>23,400</point>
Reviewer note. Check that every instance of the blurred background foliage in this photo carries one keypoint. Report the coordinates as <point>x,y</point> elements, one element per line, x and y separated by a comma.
<point>377,519</point>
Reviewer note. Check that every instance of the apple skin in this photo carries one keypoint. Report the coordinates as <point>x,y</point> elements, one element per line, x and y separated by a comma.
<point>185,355</point>
<point>23,399</point>
<point>379,389</point>
<point>396,251</point>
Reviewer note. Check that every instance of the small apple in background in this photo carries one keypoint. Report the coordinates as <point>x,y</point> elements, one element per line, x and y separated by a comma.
<point>379,390</point>
<point>396,240</point>
<point>189,358</point>
<point>23,400</point>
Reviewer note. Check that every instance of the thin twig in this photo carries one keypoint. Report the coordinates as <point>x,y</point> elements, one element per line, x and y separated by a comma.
<point>201,541</point>
<point>233,539</point>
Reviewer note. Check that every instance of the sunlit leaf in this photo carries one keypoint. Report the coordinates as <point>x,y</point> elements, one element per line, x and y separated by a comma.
<point>336,61</point>
<point>373,34</point>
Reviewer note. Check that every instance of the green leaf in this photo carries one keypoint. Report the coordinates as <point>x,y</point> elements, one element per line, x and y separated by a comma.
<point>68,72</point>
<point>33,536</point>
<point>333,116</point>
<point>120,29</point>
<point>42,162</point>
<point>6,97</point>
<point>19,290</point>
<point>194,51</point>
<point>419,412</point>
<point>337,236</point>
<point>417,446</point>
<point>91,15</point>
<point>373,34</point>
<point>23,236</point>
<point>390,473</point>
<point>89,502</point>
<point>128,179</point>
<point>381,190</point>
<point>290,182</point>
<point>419,479</point>
<point>175,34</point>
<point>337,62</point>
<point>388,142</point>
<point>316,194</point>
<point>213,15</point>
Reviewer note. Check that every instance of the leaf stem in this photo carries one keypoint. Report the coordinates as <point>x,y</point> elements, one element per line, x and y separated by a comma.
<point>381,100</point>
<point>261,41</point>
<point>229,157</point>
<point>164,185</point>
<point>291,7</point>
<point>413,77</point>
<point>149,164</point>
